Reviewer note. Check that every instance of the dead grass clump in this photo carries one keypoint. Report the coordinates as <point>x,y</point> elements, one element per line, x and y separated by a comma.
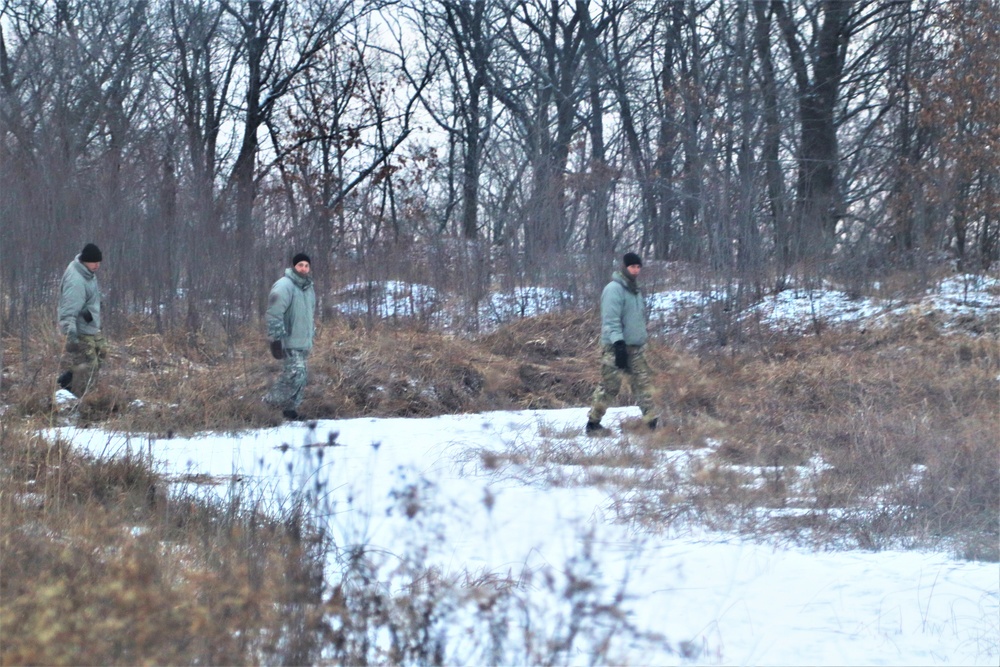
<point>904,418</point>
<point>148,382</point>
<point>387,371</point>
<point>55,474</point>
<point>957,493</point>
<point>549,361</point>
<point>547,337</point>
<point>125,480</point>
<point>566,450</point>
<point>30,370</point>
<point>24,456</point>
<point>531,364</point>
<point>725,497</point>
<point>557,385</point>
<point>93,571</point>
<point>881,406</point>
<point>99,595</point>
<point>101,404</point>
<point>688,395</point>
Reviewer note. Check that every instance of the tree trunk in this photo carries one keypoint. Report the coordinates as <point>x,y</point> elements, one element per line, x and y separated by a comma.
<point>818,204</point>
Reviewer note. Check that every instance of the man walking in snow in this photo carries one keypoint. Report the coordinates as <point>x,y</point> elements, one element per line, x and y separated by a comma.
<point>79,315</point>
<point>290,328</point>
<point>623,340</point>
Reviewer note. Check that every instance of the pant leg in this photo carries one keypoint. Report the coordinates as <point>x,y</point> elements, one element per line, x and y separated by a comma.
<point>85,363</point>
<point>642,384</point>
<point>287,391</point>
<point>608,387</point>
<point>101,348</point>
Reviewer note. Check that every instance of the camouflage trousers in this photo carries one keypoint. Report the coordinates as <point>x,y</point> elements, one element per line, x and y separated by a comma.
<point>287,392</point>
<point>640,378</point>
<point>84,361</point>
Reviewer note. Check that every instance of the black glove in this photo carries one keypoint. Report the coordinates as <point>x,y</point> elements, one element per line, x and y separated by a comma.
<point>621,355</point>
<point>73,344</point>
<point>277,351</point>
<point>87,317</point>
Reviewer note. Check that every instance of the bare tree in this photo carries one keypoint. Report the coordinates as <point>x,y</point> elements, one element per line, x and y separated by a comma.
<point>346,123</point>
<point>652,66</point>
<point>817,61</point>
<point>198,70</point>
<point>540,87</point>
<point>278,44</point>
<point>771,135</point>
<point>461,39</point>
<point>201,75</point>
<point>599,176</point>
<point>833,137</point>
<point>76,83</point>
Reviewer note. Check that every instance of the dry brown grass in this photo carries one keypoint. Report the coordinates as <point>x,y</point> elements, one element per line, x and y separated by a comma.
<point>97,567</point>
<point>180,383</point>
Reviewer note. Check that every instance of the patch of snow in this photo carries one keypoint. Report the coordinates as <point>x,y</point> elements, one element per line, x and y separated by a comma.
<point>64,397</point>
<point>717,598</point>
<point>796,310</point>
<point>388,299</point>
<point>523,302</point>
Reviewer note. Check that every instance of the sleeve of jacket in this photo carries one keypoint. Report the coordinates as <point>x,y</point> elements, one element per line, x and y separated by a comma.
<point>612,305</point>
<point>277,305</point>
<point>72,297</point>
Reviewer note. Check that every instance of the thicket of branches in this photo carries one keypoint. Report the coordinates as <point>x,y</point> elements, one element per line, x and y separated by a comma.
<point>201,142</point>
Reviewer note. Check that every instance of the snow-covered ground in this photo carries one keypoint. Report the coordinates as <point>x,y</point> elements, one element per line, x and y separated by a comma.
<point>714,598</point>
<point>954,298</point>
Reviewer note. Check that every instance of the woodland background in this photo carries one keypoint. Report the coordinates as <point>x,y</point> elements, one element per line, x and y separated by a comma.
<point>478,144</point>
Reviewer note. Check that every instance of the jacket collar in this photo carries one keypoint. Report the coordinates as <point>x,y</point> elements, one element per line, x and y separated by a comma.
<point>302,282</point>
<point>83,270</point>
<point>628,283</point>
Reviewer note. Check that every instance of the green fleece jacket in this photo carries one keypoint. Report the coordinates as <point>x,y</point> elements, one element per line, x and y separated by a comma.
<point>623,312</point>
<point>79,301</point>
<point>290,309</point>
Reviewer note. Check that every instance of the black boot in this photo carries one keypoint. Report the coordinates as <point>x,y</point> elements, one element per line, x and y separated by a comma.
<point>652,423</point>
<point>290,414</point>
<point>595,428</point>
<point>65,380</point>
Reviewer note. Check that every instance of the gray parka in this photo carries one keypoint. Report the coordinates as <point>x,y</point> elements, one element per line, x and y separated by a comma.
<point>623,312</point>
<point>79,294</point>
<point>290,309</point>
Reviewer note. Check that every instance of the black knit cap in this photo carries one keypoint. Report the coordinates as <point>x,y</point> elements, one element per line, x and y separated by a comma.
<point>301,257</point>
<point>90,253</point>
<point>631,259</point>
